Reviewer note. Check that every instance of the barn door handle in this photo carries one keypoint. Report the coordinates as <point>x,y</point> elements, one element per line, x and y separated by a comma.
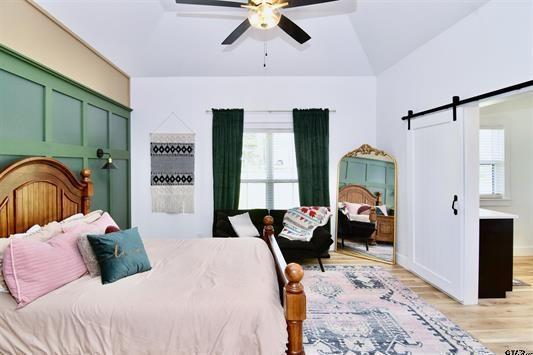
<point>455,199</point>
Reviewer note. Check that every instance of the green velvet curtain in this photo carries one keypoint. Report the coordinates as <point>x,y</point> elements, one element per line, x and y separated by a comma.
<point>311,137</point>
<point>227,152</point>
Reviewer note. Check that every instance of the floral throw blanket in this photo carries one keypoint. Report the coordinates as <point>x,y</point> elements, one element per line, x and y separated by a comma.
<point>299,223</point>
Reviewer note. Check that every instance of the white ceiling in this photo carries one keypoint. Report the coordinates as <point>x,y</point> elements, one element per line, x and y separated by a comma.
<point>349,37</point>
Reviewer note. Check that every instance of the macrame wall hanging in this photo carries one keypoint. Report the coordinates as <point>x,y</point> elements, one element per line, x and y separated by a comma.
<point>172,170</point>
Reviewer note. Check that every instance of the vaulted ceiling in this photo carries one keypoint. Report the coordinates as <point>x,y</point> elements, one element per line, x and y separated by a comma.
<point>349,37</point>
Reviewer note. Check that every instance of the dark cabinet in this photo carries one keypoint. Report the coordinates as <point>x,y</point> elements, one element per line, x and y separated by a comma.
<point>495,257</point>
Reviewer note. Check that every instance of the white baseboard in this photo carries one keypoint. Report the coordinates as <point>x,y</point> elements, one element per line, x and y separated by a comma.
<point>403,261</point>
<point>523,251</point>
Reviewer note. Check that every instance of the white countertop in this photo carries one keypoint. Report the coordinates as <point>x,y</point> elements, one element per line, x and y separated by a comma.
<point>490,214</point>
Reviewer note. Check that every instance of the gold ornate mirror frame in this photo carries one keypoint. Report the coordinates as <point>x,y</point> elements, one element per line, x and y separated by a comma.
<point>365,150</point>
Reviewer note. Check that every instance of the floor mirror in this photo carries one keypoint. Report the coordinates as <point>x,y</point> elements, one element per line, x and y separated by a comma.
<point>366,204</point>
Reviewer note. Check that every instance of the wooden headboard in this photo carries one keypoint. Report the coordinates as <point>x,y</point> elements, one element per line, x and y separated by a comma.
<point>38,191</point>
<point>359,194</point>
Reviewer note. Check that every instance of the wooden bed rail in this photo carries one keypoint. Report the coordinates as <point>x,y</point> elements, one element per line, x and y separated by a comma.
<point>291,291</point>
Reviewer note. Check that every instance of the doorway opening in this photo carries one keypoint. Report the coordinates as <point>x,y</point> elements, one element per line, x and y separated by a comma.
<point>505,191</point>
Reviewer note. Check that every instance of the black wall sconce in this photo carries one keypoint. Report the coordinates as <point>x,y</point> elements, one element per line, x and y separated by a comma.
<point>109,164</point>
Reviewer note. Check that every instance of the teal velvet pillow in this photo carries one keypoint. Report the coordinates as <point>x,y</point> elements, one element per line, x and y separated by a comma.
<point>119,254</point>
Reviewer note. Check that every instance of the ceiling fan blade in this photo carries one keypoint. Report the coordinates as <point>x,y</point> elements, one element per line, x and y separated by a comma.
<point>298,3</point>
<point>293,30</point>
<point>211,3</point>
<point>237,33</point>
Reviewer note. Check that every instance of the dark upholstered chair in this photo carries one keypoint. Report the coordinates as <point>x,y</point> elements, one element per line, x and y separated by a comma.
<point>292,250</point>
<point>353,230</point>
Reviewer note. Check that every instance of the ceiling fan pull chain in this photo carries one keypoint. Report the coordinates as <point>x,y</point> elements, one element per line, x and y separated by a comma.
<point>266,55</point>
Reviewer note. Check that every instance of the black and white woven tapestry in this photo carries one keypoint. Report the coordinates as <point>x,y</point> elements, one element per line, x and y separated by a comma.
<point>172,178</point>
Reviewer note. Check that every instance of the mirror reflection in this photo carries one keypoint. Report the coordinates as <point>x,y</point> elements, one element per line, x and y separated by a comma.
<point>366,204</point>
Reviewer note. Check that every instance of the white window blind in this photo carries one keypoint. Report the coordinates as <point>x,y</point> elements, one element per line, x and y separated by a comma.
<point>492,162</point>
<point>269,177</point>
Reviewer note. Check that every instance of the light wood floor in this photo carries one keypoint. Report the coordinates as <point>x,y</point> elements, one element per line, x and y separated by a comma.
<point>500,324</point>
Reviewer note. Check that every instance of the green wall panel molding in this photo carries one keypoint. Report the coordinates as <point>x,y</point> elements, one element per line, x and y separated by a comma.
<point>66,119</point>
<point>25,147</point>
<point>100,178</point>
<point>97,127</point>
<point>5,160</point>
<point>21,108</point>
<point>375,175</point>
<point>74,164</point>
<point>118,132</point>
<point>43,113</point>
<point>9,57</point>
<point>119,192</point>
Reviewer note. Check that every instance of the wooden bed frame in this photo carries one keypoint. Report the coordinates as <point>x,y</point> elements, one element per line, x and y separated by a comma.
<point>360,194</point>
<point>41,190</point>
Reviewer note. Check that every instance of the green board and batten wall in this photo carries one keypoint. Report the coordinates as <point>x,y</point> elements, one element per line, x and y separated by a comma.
<point>43,113</point>
<point>375,175</point>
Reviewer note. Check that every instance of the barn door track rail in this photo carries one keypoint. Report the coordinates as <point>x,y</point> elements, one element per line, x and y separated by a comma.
<point>456,101</point>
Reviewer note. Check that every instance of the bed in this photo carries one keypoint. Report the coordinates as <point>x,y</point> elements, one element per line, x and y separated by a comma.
<point>208,296</point>
<point>384,225</point>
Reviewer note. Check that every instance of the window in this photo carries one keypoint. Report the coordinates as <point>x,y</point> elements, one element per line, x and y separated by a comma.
<point>269,178</point>
<point>492,163</point>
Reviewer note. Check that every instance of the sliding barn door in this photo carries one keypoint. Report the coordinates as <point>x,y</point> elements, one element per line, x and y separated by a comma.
<point>435,155</point>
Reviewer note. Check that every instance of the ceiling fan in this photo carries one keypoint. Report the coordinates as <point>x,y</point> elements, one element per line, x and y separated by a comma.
<point>264,15</point>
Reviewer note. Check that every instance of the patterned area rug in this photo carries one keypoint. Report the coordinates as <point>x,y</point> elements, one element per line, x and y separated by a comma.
<point>365,310</point>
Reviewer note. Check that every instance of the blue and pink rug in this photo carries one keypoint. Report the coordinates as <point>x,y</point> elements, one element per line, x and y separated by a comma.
<point>355,309</point>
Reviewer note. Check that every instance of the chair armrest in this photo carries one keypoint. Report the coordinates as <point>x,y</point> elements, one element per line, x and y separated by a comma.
<point>321,239</point>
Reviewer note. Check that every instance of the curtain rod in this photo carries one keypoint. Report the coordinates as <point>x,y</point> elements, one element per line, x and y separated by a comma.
<point>456,101</point>
<point>266,111</point>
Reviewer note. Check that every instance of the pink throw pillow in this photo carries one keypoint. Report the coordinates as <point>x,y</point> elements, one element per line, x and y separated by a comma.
<point>33,268</point>
<point>96,227</point>
<point>105,221</point>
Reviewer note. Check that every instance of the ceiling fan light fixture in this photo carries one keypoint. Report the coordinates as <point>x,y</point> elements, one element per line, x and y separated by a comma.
<point>264,16</point>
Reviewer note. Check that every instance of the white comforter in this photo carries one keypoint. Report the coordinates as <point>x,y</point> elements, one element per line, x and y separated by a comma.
<point>207,296</point>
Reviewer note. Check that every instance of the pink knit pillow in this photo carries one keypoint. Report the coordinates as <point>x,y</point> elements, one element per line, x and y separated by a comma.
<point>33,268</point>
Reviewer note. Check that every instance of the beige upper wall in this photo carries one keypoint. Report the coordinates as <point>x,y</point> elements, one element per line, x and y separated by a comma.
<point>31,31</point>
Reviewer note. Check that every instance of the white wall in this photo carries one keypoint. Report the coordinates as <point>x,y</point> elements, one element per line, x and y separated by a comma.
<point>516,117</point>
<point>153,99</point>
<point>487,50</point>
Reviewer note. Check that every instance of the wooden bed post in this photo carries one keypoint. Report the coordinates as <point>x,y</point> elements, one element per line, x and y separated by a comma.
<point>87,191</point>
<point>378,198</point>
<point>268,229</point>
<point>293,298</point>
<point>295,308</point>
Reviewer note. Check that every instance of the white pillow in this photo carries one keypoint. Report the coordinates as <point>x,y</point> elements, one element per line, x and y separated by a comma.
<point>93,216</point>
<point>243,226</point>
<point>53,228</point>
<point>72,218</point>
<point>383,209</point>
<point>352,208</point>
<point>359,218</point>
<point>33,230</point>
